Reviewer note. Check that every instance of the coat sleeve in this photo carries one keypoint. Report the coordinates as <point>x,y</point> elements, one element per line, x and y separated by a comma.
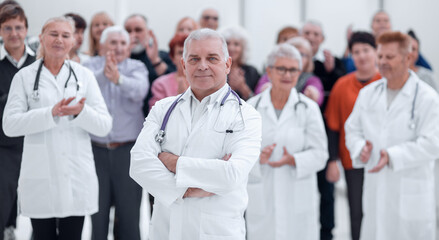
<point>18,119</point>
<point>147,169</point>
<point>354,135</point>
<point>315,153</point>
<point>94,117</point>
<point>221,177</point>
<point>425,148</point>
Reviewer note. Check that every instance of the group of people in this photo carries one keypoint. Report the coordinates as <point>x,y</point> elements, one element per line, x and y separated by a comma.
<point>224,152</point>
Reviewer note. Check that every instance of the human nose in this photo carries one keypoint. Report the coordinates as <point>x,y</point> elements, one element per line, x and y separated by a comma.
<point>203,65</point>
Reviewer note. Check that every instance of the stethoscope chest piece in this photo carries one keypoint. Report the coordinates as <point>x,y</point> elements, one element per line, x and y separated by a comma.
<point>160,137</point>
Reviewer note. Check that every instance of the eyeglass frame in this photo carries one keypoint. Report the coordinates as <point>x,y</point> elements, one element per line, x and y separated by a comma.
<point>283,70</point>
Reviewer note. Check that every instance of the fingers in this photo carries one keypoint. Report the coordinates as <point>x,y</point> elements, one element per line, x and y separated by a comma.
<point>384,159</point>
<point>227,157</point>
<point>82,101</point>
<point>68,101</point>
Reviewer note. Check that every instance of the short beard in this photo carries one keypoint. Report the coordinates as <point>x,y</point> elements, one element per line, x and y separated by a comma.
<point>138,48</point>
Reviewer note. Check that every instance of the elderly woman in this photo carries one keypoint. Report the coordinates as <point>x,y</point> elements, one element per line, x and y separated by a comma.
<point>242,77</point>
<point>98,24</point>
<point>308,83</point>
<point>282,187</point>
<point>55,103</point>
<point>185,26</point>
<point>173,83</point>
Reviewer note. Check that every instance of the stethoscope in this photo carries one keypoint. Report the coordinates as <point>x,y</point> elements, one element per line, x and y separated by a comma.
<point>296,105</point>
<point>412,124</point>
<point>160,136</point>
<point>36,92</point>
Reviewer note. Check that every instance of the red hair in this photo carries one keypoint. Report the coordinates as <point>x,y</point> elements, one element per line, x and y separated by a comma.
<point>402,39</point>
<point>176,41</point>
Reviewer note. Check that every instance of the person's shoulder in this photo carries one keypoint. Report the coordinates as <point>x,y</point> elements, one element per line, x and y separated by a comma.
<point>93,62</point>
<point>344,80</point>
<point>165,79</point>
<point>371,87</point>
<point>31,68</point>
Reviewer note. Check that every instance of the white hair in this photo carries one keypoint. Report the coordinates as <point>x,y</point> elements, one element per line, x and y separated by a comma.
<point>202,34</point>
<point>301,42</point>
<point>240,34</point>
<point>284,50</point>
<point>313,23</point>
<point>114,29</point>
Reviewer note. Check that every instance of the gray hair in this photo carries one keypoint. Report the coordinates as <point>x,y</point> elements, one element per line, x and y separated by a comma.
<point>301,42</point>
<point>62,19</point>
<point>202,34</point>
<point>114,29</point>
<point>240,34</point>
<point>313,23</point>
<point>284,50</point>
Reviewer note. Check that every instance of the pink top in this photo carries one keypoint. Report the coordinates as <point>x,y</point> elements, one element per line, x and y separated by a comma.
<point>162,87</point>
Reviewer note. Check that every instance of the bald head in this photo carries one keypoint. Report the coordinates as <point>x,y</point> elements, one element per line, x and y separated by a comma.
<point>380,23</point>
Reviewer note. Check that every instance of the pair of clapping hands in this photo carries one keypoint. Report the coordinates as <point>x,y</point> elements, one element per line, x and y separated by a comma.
<point>170,162</point>
<point>286,159</point>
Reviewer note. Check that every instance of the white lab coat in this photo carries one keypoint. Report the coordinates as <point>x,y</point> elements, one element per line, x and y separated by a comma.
<point>398,201</point>
<point>283,201</point>
<point>58,176</point>
<point>201,149</point>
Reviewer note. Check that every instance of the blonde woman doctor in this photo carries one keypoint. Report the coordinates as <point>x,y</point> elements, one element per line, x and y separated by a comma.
<point>282,186</point>
<point>55,103</point>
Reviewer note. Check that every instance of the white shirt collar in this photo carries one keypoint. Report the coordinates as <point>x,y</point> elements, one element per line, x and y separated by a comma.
<point>319,56</point>
<point>27,51</point>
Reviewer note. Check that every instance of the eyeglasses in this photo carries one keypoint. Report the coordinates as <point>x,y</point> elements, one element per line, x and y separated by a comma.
<point>8,29</point>
<point>284,70</point>
<point>207,18</point>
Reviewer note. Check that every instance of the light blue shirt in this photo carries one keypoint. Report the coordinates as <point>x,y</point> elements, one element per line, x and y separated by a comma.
<point>125,100</point>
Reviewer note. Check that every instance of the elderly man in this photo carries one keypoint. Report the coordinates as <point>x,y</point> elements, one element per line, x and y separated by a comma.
<point>209,18</point>
<point>196,150</point>
<point>144,47</point>
<point>124,84</point>
<point>14,55</point>
<point>328,68</point>
<point>393,133</point>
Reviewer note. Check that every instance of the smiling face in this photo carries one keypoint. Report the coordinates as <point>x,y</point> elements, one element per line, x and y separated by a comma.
<point>57,40</point>
<point>284,73</point>
<point>393,62</point>
<point>117,43</point>
<point>186,27</point>
<point>136,27</point>
<point>98,24</point>
<point>13,32</point>
<point>380,23</point>
<point>205,66</point>
<point>313,33</point>
<point>235,48</point>
<point>364,56</point>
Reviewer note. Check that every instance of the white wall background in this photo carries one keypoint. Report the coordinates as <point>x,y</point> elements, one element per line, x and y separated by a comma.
<point>262,18</point>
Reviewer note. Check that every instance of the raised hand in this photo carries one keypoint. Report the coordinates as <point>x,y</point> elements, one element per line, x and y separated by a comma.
<point>366,151</point>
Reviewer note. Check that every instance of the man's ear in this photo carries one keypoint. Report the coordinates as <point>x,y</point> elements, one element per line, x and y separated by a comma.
<point>182,64</point>
<point>228,65</point>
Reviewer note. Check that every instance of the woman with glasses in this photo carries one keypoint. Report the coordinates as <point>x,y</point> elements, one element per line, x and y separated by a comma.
<point>55,103</point>
<point>282,186</point>
<point>308,83</point>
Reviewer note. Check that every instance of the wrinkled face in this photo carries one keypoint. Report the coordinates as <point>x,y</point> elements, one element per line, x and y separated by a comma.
<point>136,27</point>
<point>235,48</point>
<point>314,35</point>
<point>185,27</point>
<point>57,40</point>
<point>176,58</point>
<point>393,63</point>
<point>117,43</point>
<point>209,19</point>
<point>380,24</point>
<point>13,32</point>
<point>284,73</point>
<point>364,56</point>
<point>79,38</point>
<point>98,25</point>
<point>205,67</point>
<point>415,51</point>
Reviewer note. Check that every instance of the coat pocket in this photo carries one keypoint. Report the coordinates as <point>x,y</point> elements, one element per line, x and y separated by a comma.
<point>417,200</point>
<point>214,227</point>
